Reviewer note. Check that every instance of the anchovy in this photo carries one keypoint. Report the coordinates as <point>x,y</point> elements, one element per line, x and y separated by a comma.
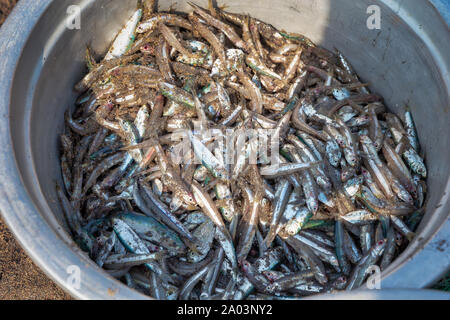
<point>211,156</point>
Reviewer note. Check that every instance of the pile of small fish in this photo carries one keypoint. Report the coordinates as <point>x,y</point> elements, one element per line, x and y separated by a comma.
<point>345,193</point>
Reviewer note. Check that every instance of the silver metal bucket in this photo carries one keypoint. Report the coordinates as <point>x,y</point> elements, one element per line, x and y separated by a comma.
<point>406,61</point>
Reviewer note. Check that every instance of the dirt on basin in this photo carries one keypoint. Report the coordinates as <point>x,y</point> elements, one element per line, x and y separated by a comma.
<point>20,278</point>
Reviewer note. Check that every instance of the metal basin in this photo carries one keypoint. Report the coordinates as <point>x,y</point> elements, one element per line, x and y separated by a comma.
<point>406,61</point>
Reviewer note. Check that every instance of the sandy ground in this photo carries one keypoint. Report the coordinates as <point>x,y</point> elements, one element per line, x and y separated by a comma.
<point>20,278</point>
<point>5,8</point>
